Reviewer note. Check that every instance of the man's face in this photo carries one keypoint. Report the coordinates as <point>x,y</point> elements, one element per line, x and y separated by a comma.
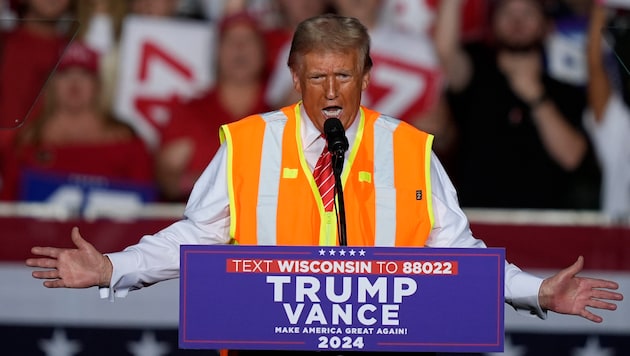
<point>241,54</point>
<point>330,84</point>
<point>519,24</point>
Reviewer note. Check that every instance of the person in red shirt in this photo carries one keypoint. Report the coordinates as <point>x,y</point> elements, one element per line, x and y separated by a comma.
<point>75,145</point>
<point>190,139</point>
<point>30,47</point>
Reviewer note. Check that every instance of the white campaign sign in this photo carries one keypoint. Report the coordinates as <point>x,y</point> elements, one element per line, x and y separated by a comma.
<point>161,61</point>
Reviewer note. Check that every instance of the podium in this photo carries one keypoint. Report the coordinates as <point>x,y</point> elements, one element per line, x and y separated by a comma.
<point>341,298</point>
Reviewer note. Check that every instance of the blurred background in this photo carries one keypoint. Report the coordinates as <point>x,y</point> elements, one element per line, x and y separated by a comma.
<point>110,110</point>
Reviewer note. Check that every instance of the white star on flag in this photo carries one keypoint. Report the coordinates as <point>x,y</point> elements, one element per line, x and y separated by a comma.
<point>509,349</point>
<point>148,346</point>
<point>59,345</point>
<point>593,348</point>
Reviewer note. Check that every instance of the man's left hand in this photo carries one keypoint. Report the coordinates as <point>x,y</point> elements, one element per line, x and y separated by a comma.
<point>565,293</point>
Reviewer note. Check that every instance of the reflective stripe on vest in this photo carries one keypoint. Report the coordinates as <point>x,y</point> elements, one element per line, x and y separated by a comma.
<point>386,207</point>
<point>270,177</point>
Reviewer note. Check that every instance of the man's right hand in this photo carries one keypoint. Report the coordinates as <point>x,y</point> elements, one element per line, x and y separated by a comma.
<point>80,267</point>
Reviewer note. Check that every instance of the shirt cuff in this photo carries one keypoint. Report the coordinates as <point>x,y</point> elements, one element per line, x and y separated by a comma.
<point>522,294</point>
<point>122,262</point>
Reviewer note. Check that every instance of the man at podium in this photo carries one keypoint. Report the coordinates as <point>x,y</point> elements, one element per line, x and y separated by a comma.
<point>260,188</point>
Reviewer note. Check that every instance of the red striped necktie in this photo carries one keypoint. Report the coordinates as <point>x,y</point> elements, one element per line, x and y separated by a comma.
<point>324,179</point>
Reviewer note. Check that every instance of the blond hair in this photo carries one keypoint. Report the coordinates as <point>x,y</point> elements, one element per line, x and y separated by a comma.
<point>330,32</point>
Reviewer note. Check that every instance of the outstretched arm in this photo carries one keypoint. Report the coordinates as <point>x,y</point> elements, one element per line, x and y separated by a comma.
<point>599,87</point>
<point>454,60</point>
<point>566,293</point>
<point>80,267</point>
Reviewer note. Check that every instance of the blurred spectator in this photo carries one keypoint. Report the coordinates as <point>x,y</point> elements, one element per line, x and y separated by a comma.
<point>74,151</point>
<point>520,139</point>
<point>278,39</point>
<point>29,50</point>
<point>608,116</point>
<point>191,137</point>
<point>102,26</point>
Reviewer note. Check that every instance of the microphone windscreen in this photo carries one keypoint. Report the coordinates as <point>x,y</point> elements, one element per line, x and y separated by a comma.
<point>333,126</point>
<point>335,135</point>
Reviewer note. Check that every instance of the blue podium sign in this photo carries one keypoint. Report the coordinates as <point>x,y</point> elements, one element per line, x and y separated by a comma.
<point>341,298</point>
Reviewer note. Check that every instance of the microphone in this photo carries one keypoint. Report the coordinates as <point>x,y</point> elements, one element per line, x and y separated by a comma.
<point>336,136</point>
<point>337,146</point>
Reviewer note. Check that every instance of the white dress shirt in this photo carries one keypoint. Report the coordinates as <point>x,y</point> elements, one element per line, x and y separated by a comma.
<point>207,221</point>
<point>610,139</point>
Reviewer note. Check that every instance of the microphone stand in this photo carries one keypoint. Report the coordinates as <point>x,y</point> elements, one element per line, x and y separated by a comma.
<point>337,145</point>
<point>337,163</point>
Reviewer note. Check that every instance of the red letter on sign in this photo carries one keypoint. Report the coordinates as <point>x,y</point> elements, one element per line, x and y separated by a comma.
<point>151,52</point>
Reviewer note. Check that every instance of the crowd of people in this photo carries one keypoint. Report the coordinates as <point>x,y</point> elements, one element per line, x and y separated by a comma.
<point>477,74</point>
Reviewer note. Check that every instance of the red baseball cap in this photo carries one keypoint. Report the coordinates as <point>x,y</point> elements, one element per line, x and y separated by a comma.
<point>79,55</point>
<point>241,17</point>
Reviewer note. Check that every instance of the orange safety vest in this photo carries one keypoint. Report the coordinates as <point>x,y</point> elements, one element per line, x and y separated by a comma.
<point>274,199</point>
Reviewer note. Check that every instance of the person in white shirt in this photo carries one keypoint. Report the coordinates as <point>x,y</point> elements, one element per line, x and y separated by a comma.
<point>607,121</point>
<point>330,66</point>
